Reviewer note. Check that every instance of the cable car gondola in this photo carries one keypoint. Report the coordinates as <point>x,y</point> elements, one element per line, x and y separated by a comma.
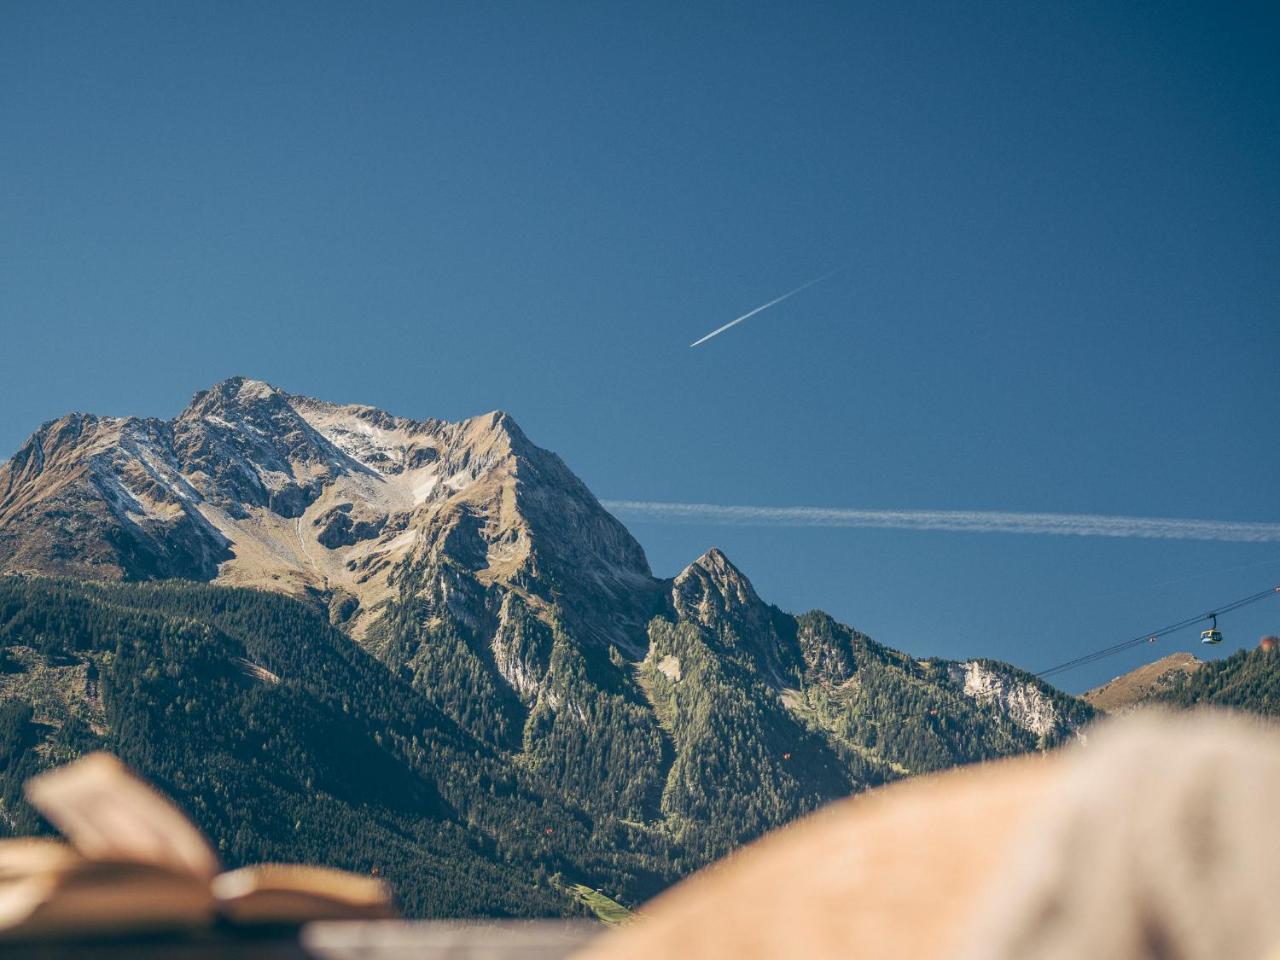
<point>1213,634</point>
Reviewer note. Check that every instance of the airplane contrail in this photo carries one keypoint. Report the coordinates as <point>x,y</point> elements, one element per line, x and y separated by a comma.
<point>765,306</point>
<point>967,521</point>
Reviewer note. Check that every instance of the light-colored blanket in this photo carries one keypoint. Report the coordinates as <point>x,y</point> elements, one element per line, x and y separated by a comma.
<point>1162,840</point>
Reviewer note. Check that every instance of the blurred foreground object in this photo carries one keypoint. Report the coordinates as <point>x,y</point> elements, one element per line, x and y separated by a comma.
<point>134,863</point>
<point>1157,839</point>
<point>1161,841</point>
<point>448,940</point>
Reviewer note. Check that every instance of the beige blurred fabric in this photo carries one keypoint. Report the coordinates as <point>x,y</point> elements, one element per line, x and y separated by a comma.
<point>890,873</point>
<point>1164,842</point>
<point>1158,839</point>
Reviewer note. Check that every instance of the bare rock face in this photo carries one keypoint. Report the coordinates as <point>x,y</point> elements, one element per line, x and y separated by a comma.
<point>241,444</point>
<point>711,589</point>
<point>1025,703</point>
<point>346,525</point>
<point>255,487</point>
<point>522,646</point>
<point>101,497</point>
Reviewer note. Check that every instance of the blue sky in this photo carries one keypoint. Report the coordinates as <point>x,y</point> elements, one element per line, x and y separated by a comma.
<point>1061,224</point>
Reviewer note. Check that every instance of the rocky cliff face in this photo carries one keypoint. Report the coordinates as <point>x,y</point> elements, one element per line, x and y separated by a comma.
<point>1025,702</point>
<point>254,487</point>
<point>102,497</point>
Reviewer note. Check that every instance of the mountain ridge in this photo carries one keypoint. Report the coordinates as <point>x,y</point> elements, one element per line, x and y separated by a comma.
<point>492,587</point>
<point>1144,683</point>
<point>252,486</point>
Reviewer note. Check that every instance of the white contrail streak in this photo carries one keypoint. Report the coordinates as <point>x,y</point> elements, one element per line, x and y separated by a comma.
<point>765,306</point>
<point>967,521</point>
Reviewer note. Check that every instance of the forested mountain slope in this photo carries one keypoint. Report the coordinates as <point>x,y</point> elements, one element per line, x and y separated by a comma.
<point>462,657</point>
<point>1247,680</point>
<point>284,740</point>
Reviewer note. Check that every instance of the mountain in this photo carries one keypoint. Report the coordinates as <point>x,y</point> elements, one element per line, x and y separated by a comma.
<point>285,742</point>
<point>1247,680</point>
<point>456,643</point>
<point>1146,683</point>
<point>254,487</point>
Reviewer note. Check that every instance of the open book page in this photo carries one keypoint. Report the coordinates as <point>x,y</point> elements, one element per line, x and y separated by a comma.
<point>109,814</point>
<point>47,888</point>
<point>136,863</point>
<point>25,856</point>
<point>290,893</point>
<point>97,897</point>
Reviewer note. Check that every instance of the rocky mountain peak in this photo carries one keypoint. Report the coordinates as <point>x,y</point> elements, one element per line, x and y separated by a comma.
<point>715,594</point>
<point>241,444</point>
<point>239,403</point>
<point>308,496</point>
<point>236,392</point>
<point>711,588</point>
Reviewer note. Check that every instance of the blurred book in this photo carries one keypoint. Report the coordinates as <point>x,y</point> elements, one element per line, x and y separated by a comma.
<point>133,863</point>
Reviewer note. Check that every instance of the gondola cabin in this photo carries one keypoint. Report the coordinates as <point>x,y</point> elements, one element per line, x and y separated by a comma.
<point>1213,635</point>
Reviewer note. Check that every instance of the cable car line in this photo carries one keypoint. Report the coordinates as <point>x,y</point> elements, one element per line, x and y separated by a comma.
<point>1207,637</point>
<point>1154,635</point>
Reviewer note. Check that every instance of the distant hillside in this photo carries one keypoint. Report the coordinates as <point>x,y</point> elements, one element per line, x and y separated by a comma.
<point>1140,685</point>
<point>1246,680</point>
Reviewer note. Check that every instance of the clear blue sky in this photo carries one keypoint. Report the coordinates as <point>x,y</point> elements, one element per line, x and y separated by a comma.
<point>1061,223</point>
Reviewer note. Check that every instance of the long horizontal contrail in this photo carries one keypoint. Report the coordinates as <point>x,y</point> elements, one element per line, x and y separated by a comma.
<point>765,306</point>
<point>965,521</point>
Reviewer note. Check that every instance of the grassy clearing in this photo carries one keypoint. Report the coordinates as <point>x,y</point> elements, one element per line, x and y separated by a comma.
<point>606,909</point>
